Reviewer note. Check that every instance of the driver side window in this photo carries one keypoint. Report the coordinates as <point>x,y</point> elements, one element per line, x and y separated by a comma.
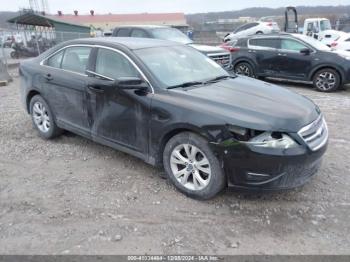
<point>114,65</point>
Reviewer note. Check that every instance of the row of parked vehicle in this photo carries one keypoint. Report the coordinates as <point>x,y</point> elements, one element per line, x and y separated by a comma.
<point>265,52</point>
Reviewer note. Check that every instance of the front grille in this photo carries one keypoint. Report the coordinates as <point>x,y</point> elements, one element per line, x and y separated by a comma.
<point>221,58</point>
<point>315,135</point>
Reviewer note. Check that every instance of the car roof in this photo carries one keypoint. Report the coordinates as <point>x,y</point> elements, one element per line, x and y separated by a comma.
<point>270,35</point>
<point>131,43</point>
<point>143,26</point>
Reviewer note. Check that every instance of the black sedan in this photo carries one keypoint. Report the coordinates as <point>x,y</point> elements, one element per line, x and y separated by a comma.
<point>292,57</point>
<point>172,106</point>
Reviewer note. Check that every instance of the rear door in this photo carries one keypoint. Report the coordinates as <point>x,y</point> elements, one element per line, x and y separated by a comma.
<point>265,52</point>
<point>291,62</point>
<point>65,86</point>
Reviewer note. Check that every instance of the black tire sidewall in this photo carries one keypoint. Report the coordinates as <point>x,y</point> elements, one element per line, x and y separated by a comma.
<point>251,69</point>
<point>338,80</point>
<point>218,179</point>
<point>53,130</point>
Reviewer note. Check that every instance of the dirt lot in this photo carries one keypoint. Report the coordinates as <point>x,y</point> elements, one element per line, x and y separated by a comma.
<point>72,196</point>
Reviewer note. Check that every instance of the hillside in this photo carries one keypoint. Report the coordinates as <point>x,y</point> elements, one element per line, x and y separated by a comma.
<point>338,11</point>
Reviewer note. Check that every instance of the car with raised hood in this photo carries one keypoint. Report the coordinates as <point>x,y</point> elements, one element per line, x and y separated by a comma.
<point>172,106</point>
<point>254,28</point>
<point>218,54</point>
<point>292,57</point>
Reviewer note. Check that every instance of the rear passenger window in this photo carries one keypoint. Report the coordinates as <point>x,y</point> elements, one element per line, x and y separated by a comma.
<point>76,59</point>
<point>55,60</point>
<point>264,42</point>
<point>123,32</point>
<point>139,33</point>
<point>113,65</point>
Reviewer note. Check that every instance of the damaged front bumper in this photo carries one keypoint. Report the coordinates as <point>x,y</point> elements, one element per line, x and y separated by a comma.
<point>266,169</point>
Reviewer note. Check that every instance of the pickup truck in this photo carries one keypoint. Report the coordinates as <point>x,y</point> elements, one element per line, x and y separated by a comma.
<point>218,54</point>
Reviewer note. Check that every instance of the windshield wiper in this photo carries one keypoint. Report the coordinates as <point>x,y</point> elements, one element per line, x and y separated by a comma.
<point>186,84</point>
<point>218,78</point>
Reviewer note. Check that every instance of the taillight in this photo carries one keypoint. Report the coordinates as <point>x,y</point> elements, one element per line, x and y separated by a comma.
<point>269,24</point>
<point>233,49</point>
<point>229,48</point>
<point>334,44</point>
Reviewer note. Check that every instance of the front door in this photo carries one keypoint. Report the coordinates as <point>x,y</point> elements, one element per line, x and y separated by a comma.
<point>118,117</point>
<point>65,87</point>
<point>293,63</point>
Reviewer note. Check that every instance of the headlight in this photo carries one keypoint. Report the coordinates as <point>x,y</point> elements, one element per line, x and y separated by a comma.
<point>273,140</point>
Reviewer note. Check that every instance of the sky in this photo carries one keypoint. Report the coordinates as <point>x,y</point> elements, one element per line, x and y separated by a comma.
<point>159,6</point>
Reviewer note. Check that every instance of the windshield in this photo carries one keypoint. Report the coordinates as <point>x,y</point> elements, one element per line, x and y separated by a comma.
<point>325,25</point>
<point>171,34</point>
<point>175,65</point>
<point>313,42</point>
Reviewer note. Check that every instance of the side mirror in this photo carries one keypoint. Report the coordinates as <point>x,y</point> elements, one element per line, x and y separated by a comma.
<point>131,83</point>
<point>305,51</point>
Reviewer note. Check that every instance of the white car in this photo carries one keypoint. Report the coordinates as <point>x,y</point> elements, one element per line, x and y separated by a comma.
<point>254,28</point>
<point>329,36</point>
<point>342,43</point>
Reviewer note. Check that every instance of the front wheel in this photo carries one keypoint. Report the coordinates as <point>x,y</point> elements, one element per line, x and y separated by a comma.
<point>245,69</point>
<point>327,80</point>
<point>192,167</point>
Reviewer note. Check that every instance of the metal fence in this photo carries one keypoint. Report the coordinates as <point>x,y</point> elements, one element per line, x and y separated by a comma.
<point>17,44</point>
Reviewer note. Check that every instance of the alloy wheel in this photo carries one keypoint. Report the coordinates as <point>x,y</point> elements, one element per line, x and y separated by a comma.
<point>326,81</point>
<point>41,117</point>
<point>243,70</point>
<point>190,167</point>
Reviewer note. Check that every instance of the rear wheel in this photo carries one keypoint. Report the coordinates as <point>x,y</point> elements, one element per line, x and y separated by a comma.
<point>192,167</point>
<point>43,119</point>
<point>244,68</point>
<point>327,80</point>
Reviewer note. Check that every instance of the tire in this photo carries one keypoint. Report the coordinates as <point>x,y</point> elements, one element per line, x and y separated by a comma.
<point>13,54</point>
<point>212,176</point>
<point>43,118</point>
<point>326,80</point>
<point>244,68</point>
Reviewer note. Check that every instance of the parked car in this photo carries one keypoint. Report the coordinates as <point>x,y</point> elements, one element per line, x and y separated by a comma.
<point>342,43</point>
<point>293,57</point>
<point>219,55</point>
<point>256,28</point>
<point>171,106</point>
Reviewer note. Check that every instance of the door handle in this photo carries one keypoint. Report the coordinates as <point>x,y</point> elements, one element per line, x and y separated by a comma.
<point>48,77</point>
<point>95,89</point>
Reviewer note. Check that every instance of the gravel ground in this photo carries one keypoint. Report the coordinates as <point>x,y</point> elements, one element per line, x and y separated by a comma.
<point>72,196</point>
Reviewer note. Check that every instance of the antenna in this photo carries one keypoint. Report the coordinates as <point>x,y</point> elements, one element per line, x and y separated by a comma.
<point>34,5</point>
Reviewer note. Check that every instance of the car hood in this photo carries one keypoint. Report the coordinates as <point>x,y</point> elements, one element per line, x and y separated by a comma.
<point>251,104</point>
<point>208,48</point>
